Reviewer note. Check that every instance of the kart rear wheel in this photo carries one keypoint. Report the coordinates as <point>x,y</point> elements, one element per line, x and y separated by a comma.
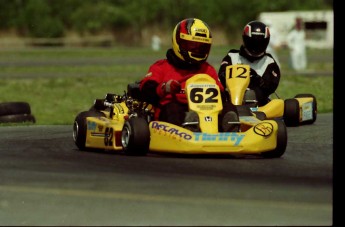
<point>314,107</point>
<point>80,127</point>
<point>135,136</point>
<point>281,142</point>
<point>291,112</point>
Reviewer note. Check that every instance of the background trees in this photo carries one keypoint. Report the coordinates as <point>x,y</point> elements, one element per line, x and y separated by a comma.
<point>56,18</point>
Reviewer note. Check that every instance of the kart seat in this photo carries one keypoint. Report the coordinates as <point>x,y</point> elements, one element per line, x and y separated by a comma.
<point>134,91</point>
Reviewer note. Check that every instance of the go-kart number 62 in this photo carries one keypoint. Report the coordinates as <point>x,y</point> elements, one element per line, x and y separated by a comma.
<point>108,137</point>
<point>197,95</point>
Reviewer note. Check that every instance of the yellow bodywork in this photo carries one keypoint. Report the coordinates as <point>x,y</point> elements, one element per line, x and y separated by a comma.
<point>169,138</point>
<point>273,109</point>
<point>237,81</point>
<point>205,99</point>
<point>105,132</point>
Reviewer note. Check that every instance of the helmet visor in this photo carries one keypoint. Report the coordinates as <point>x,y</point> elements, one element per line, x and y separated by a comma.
<point>197,49</point>
<point>255,45</point>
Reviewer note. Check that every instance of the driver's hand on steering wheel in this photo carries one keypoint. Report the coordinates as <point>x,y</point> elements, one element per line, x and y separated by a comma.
<point>171,87</point>
<point>255,79</point>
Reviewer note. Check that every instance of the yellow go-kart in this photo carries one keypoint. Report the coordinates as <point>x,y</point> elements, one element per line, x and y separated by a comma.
<point>300,110</point>
<point>125,124</point>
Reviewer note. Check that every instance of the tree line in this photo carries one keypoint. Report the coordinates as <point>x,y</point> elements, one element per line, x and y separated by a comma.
<point>55,18</point>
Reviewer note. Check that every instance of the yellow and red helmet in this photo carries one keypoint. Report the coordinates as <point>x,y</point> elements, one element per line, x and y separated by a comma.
<point>192,40</point>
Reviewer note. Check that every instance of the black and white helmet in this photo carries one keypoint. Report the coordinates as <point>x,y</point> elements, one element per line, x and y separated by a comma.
<point>256,37</point>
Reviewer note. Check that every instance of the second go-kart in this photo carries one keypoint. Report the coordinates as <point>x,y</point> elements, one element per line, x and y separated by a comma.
<point>124,123</point>
<point>300,110</point>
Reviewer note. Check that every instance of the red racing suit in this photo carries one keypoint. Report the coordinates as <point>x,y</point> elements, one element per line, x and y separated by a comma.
<point>162,71</point>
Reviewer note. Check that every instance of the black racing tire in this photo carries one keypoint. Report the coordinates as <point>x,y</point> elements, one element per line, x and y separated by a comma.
<point>17,118</point>
<point>291,112</point>
<point>135,137</point>
<point>80,127</point>
<point>12,108</point>
<point>314,107</point>
<point>282,140</point>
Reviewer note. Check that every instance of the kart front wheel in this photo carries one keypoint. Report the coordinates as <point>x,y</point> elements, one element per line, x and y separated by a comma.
<point>281,142</point>
<point>80,127</point>
<point>291,112</point>
<point>135,136</point>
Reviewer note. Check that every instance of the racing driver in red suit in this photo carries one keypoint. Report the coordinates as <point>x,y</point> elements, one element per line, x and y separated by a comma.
<point>164,84</point>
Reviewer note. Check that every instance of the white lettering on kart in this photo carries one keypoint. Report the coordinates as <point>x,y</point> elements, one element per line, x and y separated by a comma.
<point>226,136</point>
<point>223,137</point>
<point>170,130</point>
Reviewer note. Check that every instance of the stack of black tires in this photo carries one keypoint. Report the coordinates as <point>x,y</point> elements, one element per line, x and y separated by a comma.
<point>16,112</point>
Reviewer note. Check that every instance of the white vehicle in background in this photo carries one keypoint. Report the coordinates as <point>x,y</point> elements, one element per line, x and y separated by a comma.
<point>318,25</point>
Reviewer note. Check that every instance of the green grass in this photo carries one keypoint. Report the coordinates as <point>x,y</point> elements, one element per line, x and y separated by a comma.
<point>58,83</point>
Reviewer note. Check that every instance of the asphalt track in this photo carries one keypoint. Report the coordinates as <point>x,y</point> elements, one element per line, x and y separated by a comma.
<point>45,180</point>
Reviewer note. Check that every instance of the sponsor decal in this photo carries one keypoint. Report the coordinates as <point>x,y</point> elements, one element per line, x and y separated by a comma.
<point>98,134</point>
<point>91,125</point>
<point>234,137</point>
<point>202,39</point>
<point>206,107</point>
<point>195,38</point>
<point>263,129</point>
<point>226,137</point>
<point>250,119</point>
<point>203,30</point>
<point>202,85</point>
<point>170,130</point>
<point>307,111</point>
<point>258,33</point>
<point>208,118</point>
<point>307,106</point>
